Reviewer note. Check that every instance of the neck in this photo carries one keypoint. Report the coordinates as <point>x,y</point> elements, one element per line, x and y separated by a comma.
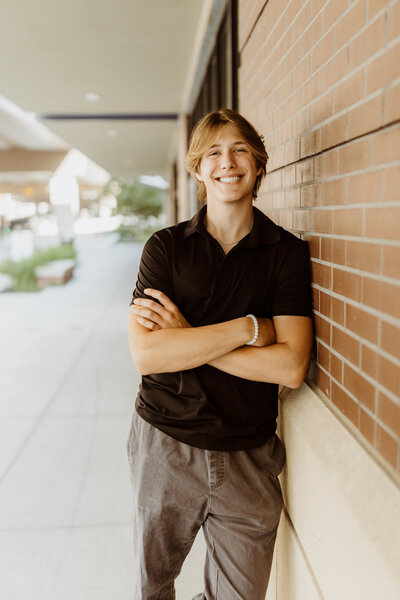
<point>229,222</point>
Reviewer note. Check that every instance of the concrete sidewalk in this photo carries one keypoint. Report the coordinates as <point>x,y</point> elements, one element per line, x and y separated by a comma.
<point>67,392</point>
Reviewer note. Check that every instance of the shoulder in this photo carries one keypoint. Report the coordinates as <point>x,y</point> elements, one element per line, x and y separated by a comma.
<point>289,241</point>
<point>292,253</point>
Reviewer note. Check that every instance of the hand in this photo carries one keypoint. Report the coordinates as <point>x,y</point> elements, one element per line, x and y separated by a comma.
<point>153,315</point>
<point>266,333</point>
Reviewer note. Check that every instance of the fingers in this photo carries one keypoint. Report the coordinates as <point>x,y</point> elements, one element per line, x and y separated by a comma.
<point>147,313</point>
<point>165,301</point>
<point>147,303</point>
<point>148,324</point>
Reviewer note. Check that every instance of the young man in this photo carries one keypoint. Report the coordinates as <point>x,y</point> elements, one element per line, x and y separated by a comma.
<point>220,316</point>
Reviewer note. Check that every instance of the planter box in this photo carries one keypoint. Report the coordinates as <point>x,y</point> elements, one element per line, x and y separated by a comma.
<point>56,272</point>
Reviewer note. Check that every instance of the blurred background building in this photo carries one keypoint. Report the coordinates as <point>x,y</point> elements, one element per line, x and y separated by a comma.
<point>93,91</point>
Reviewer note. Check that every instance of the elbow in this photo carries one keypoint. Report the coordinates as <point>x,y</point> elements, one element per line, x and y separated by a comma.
<point>140,361</point>
<point>297,376</point>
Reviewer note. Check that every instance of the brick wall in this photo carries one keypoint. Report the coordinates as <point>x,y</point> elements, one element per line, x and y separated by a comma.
<point>320,80</point>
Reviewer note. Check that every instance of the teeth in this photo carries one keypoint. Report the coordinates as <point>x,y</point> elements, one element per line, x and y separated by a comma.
<point>229,179</point>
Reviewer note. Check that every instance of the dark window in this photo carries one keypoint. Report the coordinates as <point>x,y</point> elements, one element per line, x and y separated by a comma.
<point>219,86</point>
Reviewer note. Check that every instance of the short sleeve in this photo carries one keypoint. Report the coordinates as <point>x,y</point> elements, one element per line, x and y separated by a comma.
<point>293,290</point>
<point>154,269</point>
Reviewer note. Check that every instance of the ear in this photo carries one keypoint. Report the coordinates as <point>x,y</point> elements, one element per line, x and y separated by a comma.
<point>260,170</point>
<point>199,177</point>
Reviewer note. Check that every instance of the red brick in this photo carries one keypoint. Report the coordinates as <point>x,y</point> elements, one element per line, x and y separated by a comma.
<point>323,356</point>
<point>347,221</point>
<point>311,89</point>
<point>333,11</point>
<point>326,164</point>
<point>365,118</point>
<point>345,404</point>
<point>383,69</point>
<point>321,221</point>
<point>323,51</point>
<point>362,323</point>
<point>369,361</point>
<point>336,368</point>
<point>359,387</point>
<point>313,34</point>
<point>321,109</point>
<point>301,72</point>
<point>323,381</point>
<point>333,192</point>
<point>322,330</point>
<point>313,244</point>
<point>367,43</point>
<point>385,146</point>
<point>333,250</point>
<point>333,133</point>
<point>382,296</point>
<point>388,374</point>
<point>310,195</point>
<point>366,187</point>
<point>392,104</point>
<point>367,426</point>
<point>289,175</point>
<point>382,222</point>
<point>345,345</point>
<point>389,413</point>
<point>300,123</point>
<point>339,251</point>
<point>305,171</point>
<point>350,24</point>
<point>310,143</point>
<point>348,92</point>
<point>386,445</point>
<point>315,298</point>
<point>301,20</point>
<point>354,156</point>
<point>335,69</point>
<point>301,220</point>
<point>393,21</point>
<point>325,304</point>
<point>338,311</point>
<point>374,6</point>
<point>316,6</point>
<point>292,10</point>
<point>321,274</point>
<point>364,256</point>
<point>347,284</point>
<point>391,261</point>
<point>292,151</point>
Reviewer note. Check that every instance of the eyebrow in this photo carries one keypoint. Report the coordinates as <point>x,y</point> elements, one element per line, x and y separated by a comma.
<point>234,144</point>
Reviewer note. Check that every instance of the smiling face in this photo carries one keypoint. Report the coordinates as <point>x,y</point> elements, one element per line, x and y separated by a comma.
<point>228,167</point>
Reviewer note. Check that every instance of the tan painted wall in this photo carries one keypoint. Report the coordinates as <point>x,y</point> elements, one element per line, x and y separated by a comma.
<point>339,537</point>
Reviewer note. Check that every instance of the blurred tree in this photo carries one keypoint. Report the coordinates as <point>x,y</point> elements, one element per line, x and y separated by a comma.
<point>135,198</point>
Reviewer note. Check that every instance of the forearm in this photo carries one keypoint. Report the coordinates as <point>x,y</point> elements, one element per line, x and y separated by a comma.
<point>278,363</point>
<point>177,349</point>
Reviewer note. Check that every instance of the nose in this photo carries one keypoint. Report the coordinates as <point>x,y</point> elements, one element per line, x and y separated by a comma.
<point>228,160</point>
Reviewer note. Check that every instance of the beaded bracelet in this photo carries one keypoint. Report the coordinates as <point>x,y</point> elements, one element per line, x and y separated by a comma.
<point>255,330</point>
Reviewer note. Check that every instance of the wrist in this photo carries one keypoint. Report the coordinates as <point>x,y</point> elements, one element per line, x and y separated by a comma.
<point>255,324</point>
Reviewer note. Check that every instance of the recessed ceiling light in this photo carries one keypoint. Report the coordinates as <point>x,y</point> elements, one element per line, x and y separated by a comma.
<point>112,132</point>
<point>92,97</point>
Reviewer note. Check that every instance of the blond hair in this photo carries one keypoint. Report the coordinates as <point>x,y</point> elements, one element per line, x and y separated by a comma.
<point>205,132</point>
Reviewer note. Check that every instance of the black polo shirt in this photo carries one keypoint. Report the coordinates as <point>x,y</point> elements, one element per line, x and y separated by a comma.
<point>266,274</point>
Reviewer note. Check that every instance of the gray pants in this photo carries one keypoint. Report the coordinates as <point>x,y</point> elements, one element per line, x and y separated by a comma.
<point>234,496</point>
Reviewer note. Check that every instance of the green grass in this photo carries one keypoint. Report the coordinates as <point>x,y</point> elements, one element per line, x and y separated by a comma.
<point>134,234</point>
<point>23,271</point>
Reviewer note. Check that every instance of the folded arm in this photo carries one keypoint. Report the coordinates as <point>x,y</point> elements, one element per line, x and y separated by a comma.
<point>162,341</point>
<point>285,362</point>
